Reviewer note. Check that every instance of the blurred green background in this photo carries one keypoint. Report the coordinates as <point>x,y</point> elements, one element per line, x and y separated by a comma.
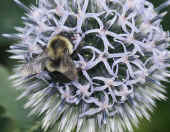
<point>13,118</point>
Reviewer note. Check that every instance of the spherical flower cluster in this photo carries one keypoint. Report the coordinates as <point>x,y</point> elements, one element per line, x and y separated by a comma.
<point>120,53</point>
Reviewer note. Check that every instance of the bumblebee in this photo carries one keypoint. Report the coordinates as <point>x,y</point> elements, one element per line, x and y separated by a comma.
<point>55,60</point>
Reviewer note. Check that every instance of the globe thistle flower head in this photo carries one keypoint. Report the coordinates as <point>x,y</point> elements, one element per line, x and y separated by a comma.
<point>91,65</point>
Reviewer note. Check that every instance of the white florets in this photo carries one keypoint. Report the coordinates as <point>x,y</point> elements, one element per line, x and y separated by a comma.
<point>122,60</point>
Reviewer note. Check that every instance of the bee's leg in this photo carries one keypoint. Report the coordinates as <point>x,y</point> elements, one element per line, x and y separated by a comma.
<point>28,57</point>
<point>29,77</point>
<point>44,76</point>
<point>52,89</point>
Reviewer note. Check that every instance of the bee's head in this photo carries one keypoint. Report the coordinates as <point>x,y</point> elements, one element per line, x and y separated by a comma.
<point>59,46</point>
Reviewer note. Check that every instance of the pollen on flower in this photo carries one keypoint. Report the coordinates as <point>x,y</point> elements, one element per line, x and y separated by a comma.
<point>120,57</point>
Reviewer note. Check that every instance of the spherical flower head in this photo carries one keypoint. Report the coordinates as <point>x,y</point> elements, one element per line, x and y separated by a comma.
<point>110,74</point>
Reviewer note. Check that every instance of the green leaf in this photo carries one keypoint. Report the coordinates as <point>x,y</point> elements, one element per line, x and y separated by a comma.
<point>8,125</point>
<point>159,120</point>
<point>2,110</point>
<point>14,108</point>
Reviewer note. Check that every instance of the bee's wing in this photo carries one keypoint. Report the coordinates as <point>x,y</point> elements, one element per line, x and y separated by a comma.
<point>68,68</point>
<point>34,67</point>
